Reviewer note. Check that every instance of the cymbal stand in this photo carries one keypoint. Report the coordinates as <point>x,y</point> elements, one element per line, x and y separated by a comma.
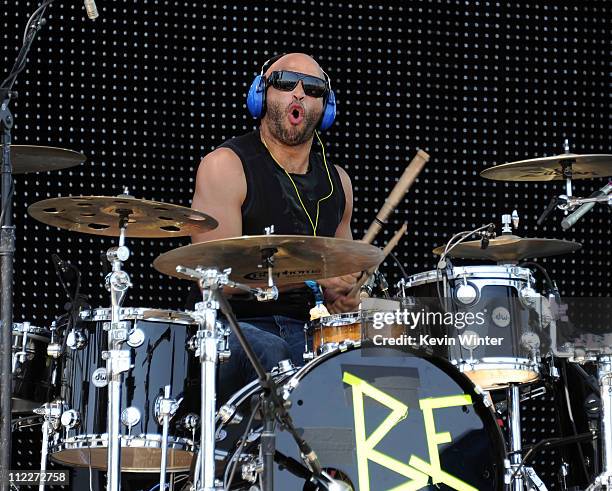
<point>604,373</point>
<point>520,477</point>
<point>514,434</point>
<point>207,350</point>
<point>117,360</point>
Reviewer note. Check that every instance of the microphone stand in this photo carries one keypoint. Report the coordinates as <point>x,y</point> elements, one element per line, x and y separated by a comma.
<point>7,244</point>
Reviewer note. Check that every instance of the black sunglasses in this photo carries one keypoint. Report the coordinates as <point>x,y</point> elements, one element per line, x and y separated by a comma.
<point>287,81</point>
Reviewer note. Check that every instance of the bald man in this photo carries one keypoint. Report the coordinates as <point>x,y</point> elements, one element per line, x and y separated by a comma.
<point>274,177</point>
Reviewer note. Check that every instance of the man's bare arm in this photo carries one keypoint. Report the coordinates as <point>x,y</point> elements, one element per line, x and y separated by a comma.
<point>220,190</point>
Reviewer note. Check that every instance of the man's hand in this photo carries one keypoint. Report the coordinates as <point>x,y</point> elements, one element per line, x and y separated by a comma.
<point>336,293</point>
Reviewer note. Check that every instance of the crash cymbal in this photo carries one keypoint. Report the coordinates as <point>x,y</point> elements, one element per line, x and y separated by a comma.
<point>551,168</point>
<point>35,158</point>
<point>99,215</point>
<point>511,248</point>
<point>297,258</point>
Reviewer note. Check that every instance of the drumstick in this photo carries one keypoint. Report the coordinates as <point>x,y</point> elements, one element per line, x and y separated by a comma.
<point>397,193</point>
<point>386,251</point>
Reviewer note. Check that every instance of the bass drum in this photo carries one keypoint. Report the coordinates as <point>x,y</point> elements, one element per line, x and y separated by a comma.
<point>378,419</point>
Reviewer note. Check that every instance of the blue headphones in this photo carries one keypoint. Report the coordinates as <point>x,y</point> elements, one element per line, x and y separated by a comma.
<point>256,98</point>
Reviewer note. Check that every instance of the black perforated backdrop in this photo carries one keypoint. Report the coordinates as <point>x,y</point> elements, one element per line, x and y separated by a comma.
<point>150,87</point>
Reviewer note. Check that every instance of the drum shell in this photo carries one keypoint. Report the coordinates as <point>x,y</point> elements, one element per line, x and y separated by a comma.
<point>330,331</point>
<point>507,319</point>
<point>163,359</point>
<point>32,375</point>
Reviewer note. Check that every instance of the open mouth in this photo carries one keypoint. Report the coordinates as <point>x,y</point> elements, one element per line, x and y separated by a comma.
<point>296,114</point>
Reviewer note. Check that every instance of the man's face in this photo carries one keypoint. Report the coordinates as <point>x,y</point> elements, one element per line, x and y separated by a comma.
<point>293,116</point>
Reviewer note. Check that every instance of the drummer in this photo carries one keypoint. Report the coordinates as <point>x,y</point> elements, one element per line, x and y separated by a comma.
<point>274,179</point>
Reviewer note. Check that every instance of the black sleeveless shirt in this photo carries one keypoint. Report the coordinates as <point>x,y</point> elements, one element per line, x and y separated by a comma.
<point>271,200</point>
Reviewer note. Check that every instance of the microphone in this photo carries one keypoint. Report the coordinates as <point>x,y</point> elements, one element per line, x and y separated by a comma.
<point>487,234</point>
<point>91,9</point>
<point>551,206</point>
<point>570,220</point>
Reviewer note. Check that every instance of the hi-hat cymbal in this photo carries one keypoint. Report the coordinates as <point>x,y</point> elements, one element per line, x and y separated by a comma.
<point>35,158</point>
<point>551,168</point>
<point>297,258</point>
<point>100,215</point>
<point>511,248</point>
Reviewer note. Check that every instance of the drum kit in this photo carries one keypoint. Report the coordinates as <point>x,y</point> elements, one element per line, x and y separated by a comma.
<point>133,390</point>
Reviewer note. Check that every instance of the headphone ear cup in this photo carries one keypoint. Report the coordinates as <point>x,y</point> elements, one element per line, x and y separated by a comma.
<point>256,98</point>
<point>329,113</point>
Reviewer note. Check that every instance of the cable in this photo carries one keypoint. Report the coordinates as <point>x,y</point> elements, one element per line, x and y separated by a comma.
<point>401,267</point>
<point>549,282</point>
<point>314,224</point>
<point>571,417</point>
<point>234,460</point>
<point>176,481</point>
<point>20,62</point>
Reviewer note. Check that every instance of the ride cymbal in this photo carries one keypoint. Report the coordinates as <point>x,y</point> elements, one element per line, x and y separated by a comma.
<point>511,248</point>
<point>101,215</point>
<point>296,258</point>
<point>554,168</point>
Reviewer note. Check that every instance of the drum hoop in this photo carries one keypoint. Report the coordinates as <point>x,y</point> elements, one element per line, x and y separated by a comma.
<point>139,313</point>
<point>512,273</point>
<point>354,316</point>
<point>148,440</point>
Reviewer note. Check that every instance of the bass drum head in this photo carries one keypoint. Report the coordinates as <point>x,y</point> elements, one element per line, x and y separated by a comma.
<point>381,418</point>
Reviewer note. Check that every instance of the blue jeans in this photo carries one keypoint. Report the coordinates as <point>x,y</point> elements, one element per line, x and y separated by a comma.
<point>273,339</point>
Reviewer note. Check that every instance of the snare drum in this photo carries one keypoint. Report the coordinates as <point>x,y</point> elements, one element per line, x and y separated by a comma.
<point>377,418</point>
<point>329,331</point>
<point>32,368</point>
<point>332,331</point>
<point>499,343</point>
<point>157,342</point>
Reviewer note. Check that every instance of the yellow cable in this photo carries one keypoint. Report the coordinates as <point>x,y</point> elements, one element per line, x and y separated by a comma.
<point>331,183</point>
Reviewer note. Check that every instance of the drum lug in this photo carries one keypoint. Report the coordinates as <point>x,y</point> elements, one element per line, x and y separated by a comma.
<point>467,293</point>
<point>70,419</point>
<point>283,367</point>
<point>528,297</point>
<point>76,340</point>
<point>308,355</point>
<point>130,416</point>
<point>190,422</point>
<point>136,338</point>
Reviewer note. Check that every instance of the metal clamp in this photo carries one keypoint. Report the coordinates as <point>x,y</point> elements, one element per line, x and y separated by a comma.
<point>165,406</point>
<point>121,361</point>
